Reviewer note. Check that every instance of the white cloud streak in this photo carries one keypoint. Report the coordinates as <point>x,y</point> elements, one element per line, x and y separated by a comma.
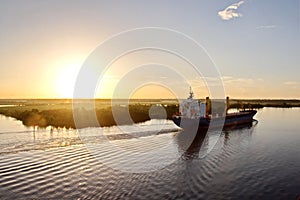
<point>291,83</point>
<point>231,11</point>
<point>266,27</point>
<point>228,80</point>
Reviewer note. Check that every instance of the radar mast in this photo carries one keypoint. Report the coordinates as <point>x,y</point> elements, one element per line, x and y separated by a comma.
<point>191,94</point>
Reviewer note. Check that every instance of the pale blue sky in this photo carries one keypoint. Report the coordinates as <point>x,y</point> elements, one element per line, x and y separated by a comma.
<point>257,51</point>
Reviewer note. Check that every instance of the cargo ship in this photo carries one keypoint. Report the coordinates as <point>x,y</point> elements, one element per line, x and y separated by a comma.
<point>196,116</point>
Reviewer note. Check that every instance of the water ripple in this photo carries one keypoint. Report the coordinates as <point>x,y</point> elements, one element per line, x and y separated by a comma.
<point>244,164</point>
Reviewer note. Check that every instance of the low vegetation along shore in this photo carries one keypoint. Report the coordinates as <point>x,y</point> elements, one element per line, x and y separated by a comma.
<point>58,113</point>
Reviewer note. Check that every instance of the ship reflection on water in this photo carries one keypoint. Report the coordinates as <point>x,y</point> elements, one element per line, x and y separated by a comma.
<point>198,145</point>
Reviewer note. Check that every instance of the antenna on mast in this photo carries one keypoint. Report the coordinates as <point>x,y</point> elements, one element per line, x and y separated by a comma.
<point>191,93</point>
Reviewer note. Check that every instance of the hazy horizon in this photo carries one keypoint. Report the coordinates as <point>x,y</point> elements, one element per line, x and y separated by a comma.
<point>151,99</point>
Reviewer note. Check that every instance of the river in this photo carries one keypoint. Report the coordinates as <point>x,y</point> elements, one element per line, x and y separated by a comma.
<point>148,161</point>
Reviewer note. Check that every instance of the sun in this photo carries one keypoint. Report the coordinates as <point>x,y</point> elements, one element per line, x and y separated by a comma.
<point>66,79</point>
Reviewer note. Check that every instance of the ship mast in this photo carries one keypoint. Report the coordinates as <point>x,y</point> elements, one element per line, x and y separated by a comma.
<point>191,94</point>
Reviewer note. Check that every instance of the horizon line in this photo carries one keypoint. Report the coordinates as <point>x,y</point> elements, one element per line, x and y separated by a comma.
<point>38,98</point>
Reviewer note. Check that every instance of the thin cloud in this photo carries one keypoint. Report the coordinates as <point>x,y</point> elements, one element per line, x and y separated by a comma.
<point>291,83</point>
<point>231,11</point>
<point>240,81</point>
<point>266,27</point>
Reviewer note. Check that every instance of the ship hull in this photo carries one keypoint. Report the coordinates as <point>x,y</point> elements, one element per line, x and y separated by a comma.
<point>232,120</point>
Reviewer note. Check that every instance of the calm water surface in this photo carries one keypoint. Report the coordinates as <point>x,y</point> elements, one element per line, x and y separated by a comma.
<point>258,162</point>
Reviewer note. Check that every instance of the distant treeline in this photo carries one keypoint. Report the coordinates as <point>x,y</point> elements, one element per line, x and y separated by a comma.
<point>260,103</point>
<point>107,116</point>
<point>59,113</point>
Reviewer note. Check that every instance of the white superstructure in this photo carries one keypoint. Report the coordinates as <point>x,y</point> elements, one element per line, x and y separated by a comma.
<point>192,108</point>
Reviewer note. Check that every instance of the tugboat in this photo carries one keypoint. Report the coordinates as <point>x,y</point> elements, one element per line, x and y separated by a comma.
<point>195,116</point>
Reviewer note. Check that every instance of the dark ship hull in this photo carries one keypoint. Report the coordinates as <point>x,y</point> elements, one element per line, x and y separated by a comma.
<point>232,120</point>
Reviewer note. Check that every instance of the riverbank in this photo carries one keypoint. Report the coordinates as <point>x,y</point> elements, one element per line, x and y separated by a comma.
<point>260,103</point>
<point>58,113</point>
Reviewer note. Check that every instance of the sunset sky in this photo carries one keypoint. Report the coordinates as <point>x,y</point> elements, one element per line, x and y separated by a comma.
<point>253,43</point>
